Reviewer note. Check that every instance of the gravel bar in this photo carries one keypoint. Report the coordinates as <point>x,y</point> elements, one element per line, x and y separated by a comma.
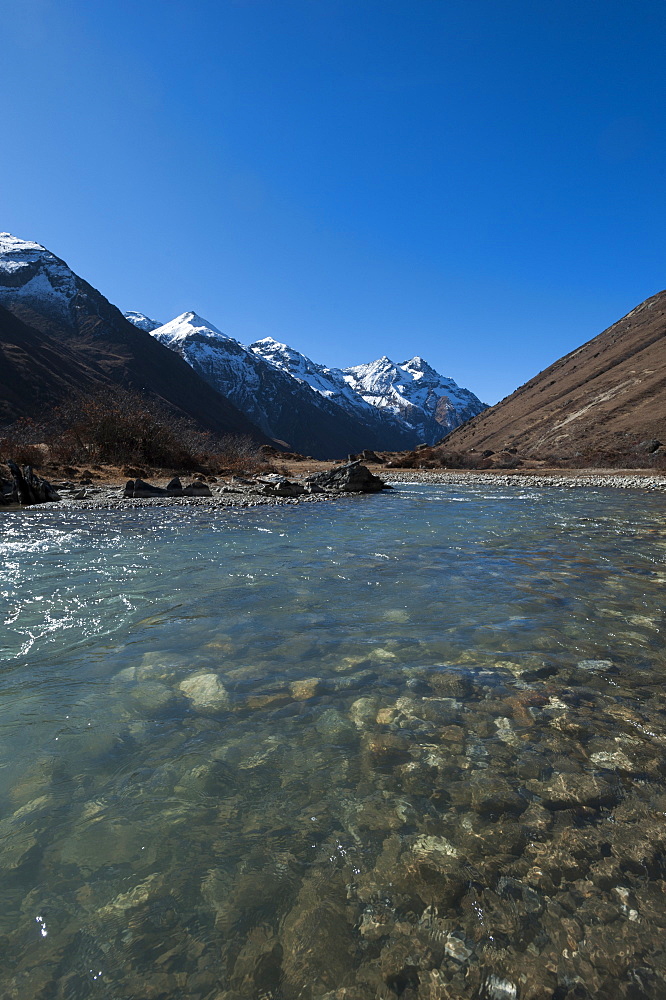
<point>593,479</point>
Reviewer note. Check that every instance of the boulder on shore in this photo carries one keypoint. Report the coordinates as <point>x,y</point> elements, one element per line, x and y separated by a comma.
<point>197,489</point>
<point>139,489</point>
<point>350,478</point>
<point>279,486</point>
<point>26,488</point>
<point>367,455</point>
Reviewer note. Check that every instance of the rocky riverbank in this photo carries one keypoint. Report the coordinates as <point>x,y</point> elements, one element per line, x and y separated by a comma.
<point>296,487</point>
<point>239,491</point>
<point>628,479</point>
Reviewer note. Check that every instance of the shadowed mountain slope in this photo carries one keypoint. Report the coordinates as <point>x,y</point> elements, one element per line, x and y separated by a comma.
<point>42,291</point>
<point>38,373</point>
<point>606,397</point>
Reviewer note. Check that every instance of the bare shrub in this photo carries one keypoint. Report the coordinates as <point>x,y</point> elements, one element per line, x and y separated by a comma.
<point>237,453</point>
<point>121,427</point>
<point>19,442</point>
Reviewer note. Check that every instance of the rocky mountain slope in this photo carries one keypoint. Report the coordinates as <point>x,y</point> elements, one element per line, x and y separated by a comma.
<point>605,399</point>
<point>142,321</point>
<point>285,407</point>
<point>416,393</point>
<point>42,291</point>
<point>318,410</point>
<point>411,394</point>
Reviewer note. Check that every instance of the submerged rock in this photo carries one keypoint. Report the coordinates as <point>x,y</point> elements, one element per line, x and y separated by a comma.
<point>257,967</point>
<point>566,790</point>
<point>491,793</point>
<point>363,711</point>
<point>332,725</point>
<point>307,688</point>
<point>595,666</point>
<point>152,696</point>
<point>318,945</point>
<point>206,692</point>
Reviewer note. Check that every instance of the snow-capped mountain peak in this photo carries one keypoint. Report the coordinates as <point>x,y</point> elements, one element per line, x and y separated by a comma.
<point>185,327</point>
<point>416,393</point>
<point>329,382</point>
<point>281,355</point>
<point>32,274</point>
<point>141,321</point>
<point>418,367</point>
<point>412,393</point>
<point>14,245</point>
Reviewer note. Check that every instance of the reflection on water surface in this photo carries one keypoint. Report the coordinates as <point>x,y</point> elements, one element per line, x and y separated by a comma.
<point>409,745</point>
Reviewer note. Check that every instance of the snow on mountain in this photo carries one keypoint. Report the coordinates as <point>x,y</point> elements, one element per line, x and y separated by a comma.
<point>187,326</point>
<point>328,382</point>
<point>141,321</point>
<point>225,364</point>
<point>32,274</point>
<point>416,393</point>
<point>412,394</point>
<point>306,406</point>
<point>222,361</point>
<point>319,410</point>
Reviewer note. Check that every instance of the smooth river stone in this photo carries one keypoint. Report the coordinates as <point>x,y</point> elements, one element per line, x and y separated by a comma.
<point>310,687</point>
<point>363,710</point>
<point>566,790</point>
<point>206,692</point>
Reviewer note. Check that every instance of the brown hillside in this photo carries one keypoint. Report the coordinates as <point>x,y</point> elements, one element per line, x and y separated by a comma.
<point>604,398</point>
<point>38,373</point>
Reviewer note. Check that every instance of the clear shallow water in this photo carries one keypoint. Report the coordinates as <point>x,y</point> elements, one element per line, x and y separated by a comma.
<point>408,745</point>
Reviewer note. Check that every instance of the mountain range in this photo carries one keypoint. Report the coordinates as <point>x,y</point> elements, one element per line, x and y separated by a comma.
<point>59,337</point>
<point>266,390</point>
<point>312,408</point>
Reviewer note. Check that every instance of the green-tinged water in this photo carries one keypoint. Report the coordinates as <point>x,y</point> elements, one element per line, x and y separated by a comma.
<point>403,745</point>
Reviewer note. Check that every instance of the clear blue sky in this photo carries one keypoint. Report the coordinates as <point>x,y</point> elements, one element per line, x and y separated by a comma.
<point>480,182</point>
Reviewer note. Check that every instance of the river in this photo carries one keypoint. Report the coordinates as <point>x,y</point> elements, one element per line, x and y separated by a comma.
<point>399,745</point>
